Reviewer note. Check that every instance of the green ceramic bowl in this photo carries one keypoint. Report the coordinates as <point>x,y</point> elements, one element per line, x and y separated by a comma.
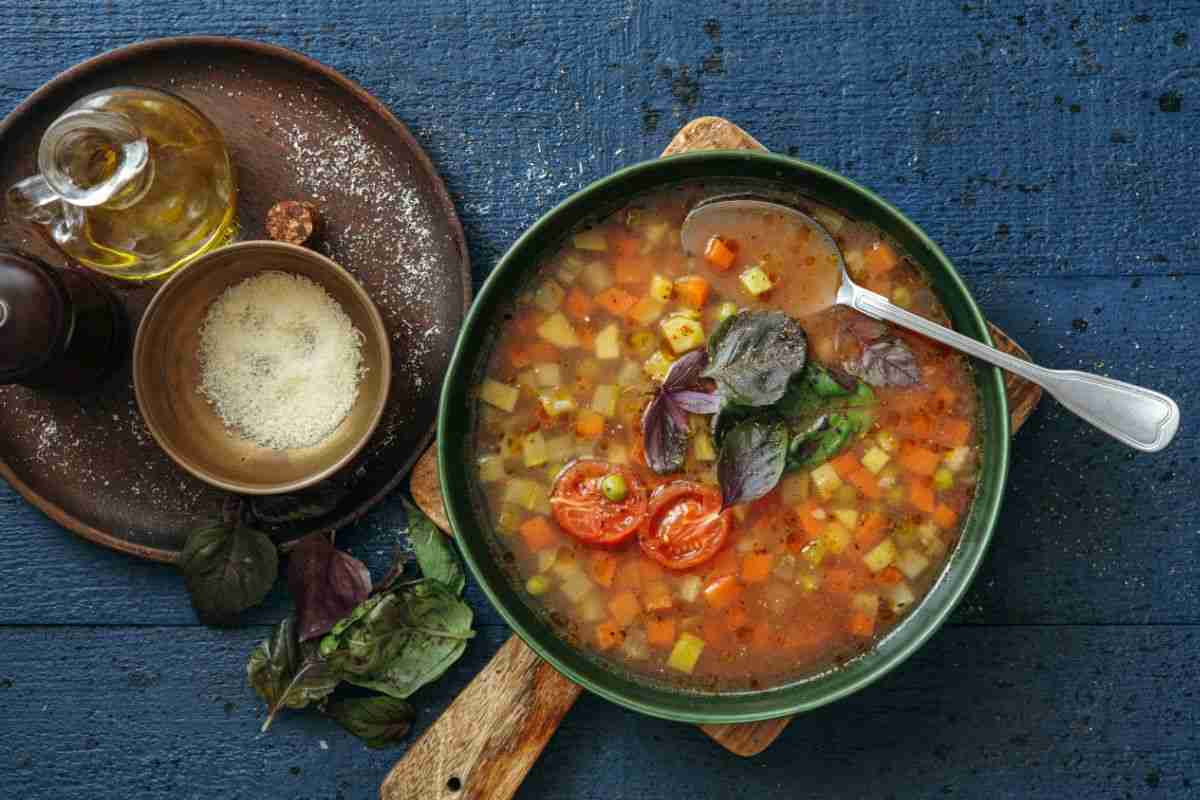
<point>773,175</point>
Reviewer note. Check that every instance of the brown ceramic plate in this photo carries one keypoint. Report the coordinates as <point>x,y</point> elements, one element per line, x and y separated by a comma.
<point>297,130</point>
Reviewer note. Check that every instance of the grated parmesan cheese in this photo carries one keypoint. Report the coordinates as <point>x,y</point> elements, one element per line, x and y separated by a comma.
<point>280,360</point>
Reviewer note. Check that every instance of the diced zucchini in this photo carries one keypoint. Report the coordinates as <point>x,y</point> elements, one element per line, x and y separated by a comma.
<point>547,374</point>
<point>682,334</point>
<point>911,563</point>
<point>826,481</point>
<point>521,492</point>
<point>661,288</point>
<point>534,449</point>
<point>546,559</point>
<point>596,276</point>
<point>630,374</point>
<point>689,588</point>
<point>836,537</point>
<point>575,586</point>
<point>509,519</point>
<point>943,479</point>
<point>830,220</point>
<point>617,454</point>
<point>560,448</point>
<point>702,446</point>
<point>657,365</point>
<point>756,281</point>
<point>604,400</point>
<point>900,596</point>
<point>557,330</point>
<point>956,459</point>
<point>646,311</point>
<point>814,552</point>
<point>557,401</point>
<point>902,297</point>
<point>528,379</point>
<point>793,489</point>
<point>855,263</point>
<point>880,555</point>
<point>726,310</point>
<point>847,516</point>
<point>875,459</point>
<point>588,368</point>
<point>510,445</point>
<point>686,653</point>
<point>642,343</point>
<point>491,468</point>
<point>865,602</point>
<point>537,585</point>
<point>887,441</point>
<point>608,342</point>
<point>591,607</point>
<point>593,239</point>
<point>549,296</point>
<point>500,395</point>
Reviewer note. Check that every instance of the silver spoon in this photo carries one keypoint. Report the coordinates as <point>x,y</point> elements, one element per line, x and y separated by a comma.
<point>1141,418</point>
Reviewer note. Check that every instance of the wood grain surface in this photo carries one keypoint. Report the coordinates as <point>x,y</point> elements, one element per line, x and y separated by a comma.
<point>1048,148</point>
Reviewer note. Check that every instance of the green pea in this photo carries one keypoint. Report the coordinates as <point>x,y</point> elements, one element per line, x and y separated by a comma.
<point>538,584</point>
<point>614,487</point>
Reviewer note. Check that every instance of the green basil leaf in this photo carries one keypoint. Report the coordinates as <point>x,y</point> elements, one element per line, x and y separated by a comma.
<point>276,509</point>
<point>435,554</point>
<point>399,641</point>
<point>827,437</point>
<point>288,674</point>
<point>378,721</point>
<point>817,387</point>
<point>227,570</point>
<point>753,354</point>
<point>751,460</point>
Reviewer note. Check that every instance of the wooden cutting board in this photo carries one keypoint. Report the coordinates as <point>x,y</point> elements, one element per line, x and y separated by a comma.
<point>486,741</point>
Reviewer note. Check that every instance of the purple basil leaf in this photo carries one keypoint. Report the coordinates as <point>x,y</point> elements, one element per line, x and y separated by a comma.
<point>686,371</point>
<point>696,402</point>
<point>665,435</point>
<point>326,584</point>
<point>753,354</point>
<point>753,456</point>
<point>888,362</point>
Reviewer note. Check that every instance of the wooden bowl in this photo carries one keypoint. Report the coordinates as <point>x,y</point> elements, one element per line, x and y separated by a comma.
<point>166,373</point>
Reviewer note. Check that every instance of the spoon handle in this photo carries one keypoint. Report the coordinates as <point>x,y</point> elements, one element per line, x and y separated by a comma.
<point>1141,418</point>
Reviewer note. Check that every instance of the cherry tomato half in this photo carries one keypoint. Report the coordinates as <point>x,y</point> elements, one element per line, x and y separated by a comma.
<point>582,509</point>
<point>686,526</point>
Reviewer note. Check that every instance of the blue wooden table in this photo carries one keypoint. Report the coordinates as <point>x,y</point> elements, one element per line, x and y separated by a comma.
<point>1051,151</point>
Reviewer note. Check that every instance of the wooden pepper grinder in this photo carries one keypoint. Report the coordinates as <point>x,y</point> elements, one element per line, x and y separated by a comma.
<point>60,329</point>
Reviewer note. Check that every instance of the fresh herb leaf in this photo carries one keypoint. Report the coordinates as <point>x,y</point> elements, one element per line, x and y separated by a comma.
<point>378,721</point>
<point>751,460</point>
<point>227,568</point>
<point>395,571</point>
<point>288,674</point>
<point>399,641</point>
<point>827,437</point>
<point>276,509</point>
<point>887,362</point>
<point>665,422</point>
<point>817,387</point>
<point>686,371</point>
<point>753,354</point>
<point>435,554</point>
<point>325,583</point>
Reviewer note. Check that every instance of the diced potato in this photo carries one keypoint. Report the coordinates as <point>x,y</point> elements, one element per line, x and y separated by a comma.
<point>566,562</point>
<point>575,586</point>
<point>855,264</point>
<point>592,239</point>
<point>689,588</point>
<point>604,400</point>
<point>793,489</point>
<point>608,342</point>
<point>657,365</point>
<point>547,375</point>
<point>588,368</point>
<point>847,516</point>
<point>557,330</point>
<point>911,563</point>
<point>956,459</point>
<point>756,281</point>
<point>726,310</point>
<point>549,296</point>
<point>491,468</point>
<point>703,447</point>
<point>865,602</point>
<point>686,653</point>
<point>814,552</point>
<point>683,334</point>
<point>500,395</point>
<point>510,445</point>
<point>630,374</point>
<point>830,220</point>
<point>560,448</point>
<point>825,480</point>
<point>541,499</point>
<point>509,519</point>
<point>528,379</point>
<point>546,559</point>
<point>596,276</point>
<point>880,556</point>
<point>875,460</point>
<point>836,537</point>
<point>591,607</point>
<point>646,311</point>
<point>617,454</point>
<point>846,494</point>
<point>643,343</point>
<point>557,401</point>
<point>661,288</point>
<point>900,596</point>
<point>534,449</point>
<point>521,492</point>
<point>887,441</point>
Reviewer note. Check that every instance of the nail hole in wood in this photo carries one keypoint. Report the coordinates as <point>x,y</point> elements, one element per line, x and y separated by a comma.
<point>454,784</point>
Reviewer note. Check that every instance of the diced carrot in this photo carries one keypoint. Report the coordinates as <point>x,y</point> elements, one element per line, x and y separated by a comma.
<point>870,531</point>
<point>578,304</point>
<point>890,575</point>
<point>540,352</point>
<point>604,568</point>
<point>660,631</point>
<point>865,482</point>
<point>624,607</point>
<point>760,636</point>
<point>880,258</point>
<point>945,396</point>
<point>756,567</point>
<point>813,525</point>
<point>839,581</point>
<point>861,624</point>
<point>692,291</point>
<point>656,596</point>
<point>715,633</point>
<point>736,617</point>
<point>918,459</point>
<point>944,516</point>
<point>952,432</point>
<point>719,254</point>
<point>649,570</point>
<point>589,424</point>
<point>616,301</point>
<point>845,464</point>
<point>537,533</point>
<point>915,426</point>
<point>631,270</point>
<point>608,635</point>
<point>622,244</point>
<point>920,494</point>
<point>627,577</point>
<point>587,336</point>
<point>519,357</point>
<point>726,563</point>
<point>723,591</point>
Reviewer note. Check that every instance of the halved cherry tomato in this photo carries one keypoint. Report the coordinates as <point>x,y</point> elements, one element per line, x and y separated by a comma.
<point>686,526</point>
<point>582,509</point>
